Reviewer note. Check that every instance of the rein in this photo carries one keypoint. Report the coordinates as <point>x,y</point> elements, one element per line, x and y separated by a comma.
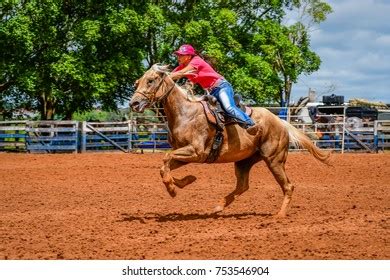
<point>161,98</point>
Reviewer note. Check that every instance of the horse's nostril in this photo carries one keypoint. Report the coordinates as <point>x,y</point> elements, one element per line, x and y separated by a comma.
<point>134,104</point>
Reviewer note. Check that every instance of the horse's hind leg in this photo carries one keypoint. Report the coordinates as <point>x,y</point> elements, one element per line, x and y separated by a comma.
<point>277,167</point>
<point>242,169</point>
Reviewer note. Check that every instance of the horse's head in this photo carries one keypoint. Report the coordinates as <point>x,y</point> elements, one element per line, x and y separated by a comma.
<point>150,88</point>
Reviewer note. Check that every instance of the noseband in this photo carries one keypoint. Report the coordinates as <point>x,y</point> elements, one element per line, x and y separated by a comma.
<point>161,98</point>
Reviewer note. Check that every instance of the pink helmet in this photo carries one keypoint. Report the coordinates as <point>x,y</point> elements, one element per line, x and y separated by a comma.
<point>186,50</point>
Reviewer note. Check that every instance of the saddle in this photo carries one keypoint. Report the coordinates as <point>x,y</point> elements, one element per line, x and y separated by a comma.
<point>217,117</point>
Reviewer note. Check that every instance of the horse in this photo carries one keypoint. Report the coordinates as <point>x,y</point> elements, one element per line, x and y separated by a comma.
<point>191,137</point>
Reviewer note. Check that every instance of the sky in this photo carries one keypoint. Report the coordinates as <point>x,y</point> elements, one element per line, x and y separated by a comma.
<point>354,46</point>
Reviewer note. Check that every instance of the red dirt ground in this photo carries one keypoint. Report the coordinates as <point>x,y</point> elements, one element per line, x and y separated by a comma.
<point>114,206</point>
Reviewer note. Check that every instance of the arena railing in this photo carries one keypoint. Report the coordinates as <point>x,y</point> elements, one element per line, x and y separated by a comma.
<point>382,134</point>
<point>105,136</point>
<point>326,130</point>
<point>13,136</point>
<point>149,132</point>
<point>51,136</point>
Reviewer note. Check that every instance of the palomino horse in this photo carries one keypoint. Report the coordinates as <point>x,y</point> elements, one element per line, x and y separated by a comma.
<point>191,137</point>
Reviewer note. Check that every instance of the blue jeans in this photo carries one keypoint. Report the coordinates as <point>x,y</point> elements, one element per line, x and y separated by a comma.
<point>224,94</point>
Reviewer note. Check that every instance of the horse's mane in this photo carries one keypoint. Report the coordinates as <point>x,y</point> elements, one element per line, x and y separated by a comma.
<point>186,90</point>
<point>161,68</point>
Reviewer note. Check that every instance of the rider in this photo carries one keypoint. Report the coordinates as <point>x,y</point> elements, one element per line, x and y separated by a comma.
<point>198,71</point>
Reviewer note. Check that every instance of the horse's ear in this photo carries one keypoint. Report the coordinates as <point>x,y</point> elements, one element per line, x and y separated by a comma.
<point>136,83</point>
<point>159,68</point>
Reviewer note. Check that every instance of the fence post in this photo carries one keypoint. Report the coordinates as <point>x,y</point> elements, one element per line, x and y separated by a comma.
<point>376,140</point>
<point>76,128</point>
<point>343,134</point>
<point>288,117</point>
<point>130,134</point>
<point>133,128</point>
<point>83,136</point>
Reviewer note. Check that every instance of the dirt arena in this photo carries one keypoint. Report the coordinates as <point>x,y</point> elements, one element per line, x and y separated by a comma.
<point>114,206</point>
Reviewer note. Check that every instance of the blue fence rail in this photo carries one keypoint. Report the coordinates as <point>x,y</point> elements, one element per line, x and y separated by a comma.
<point>382,134</point>
<point>105,136</point>
<point>51,136</point>
<point>13,136</point>
<point>130,136</point>
<point>153,138</point>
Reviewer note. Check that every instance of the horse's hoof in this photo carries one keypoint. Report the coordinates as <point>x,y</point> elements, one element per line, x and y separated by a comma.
<point>218,209</point>
<point>172,193</point>
<point>190,179</point>
<point>181,183</point>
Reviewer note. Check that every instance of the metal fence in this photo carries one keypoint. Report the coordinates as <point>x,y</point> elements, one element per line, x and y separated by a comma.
<point>149,132</point>
<point>51,136</point>
<point>105,136</point>
<point>13,136</point>
<point>382,134</point>
<point>327,131</point>
<point>332,129</point>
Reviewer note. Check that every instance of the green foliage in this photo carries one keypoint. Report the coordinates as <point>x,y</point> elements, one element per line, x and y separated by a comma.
<point>69,55</point>
<point>61,57</point>
<point>101,116</point>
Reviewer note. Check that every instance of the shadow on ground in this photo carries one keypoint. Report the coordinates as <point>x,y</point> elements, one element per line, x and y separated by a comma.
<point>173,217</point>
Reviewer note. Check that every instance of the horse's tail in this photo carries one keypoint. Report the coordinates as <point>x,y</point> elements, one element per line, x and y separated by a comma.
<point>299,139</point>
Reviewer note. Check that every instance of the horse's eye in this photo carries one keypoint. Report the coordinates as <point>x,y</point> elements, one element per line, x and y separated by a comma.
<point>150,81</point>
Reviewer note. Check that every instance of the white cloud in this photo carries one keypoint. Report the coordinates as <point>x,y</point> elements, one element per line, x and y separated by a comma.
<point>354,48</point>
<point>383,40</point>
<point>374,62</point>
<point>352,14</point>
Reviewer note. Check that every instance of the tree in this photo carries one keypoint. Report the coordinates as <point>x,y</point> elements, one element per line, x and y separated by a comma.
<point>246,41</point>
<point>223,32</point>
<point>60,57</point>
<point>69,55</point>
<point>302,60</point>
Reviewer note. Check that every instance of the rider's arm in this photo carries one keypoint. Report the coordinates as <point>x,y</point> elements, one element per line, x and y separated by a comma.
<point>189,70</point>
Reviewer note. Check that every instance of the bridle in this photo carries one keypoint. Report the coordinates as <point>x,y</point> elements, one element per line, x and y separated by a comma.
<point>154,99</point>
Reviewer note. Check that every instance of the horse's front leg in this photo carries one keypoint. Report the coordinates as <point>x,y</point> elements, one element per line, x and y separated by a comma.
<point>174,160</point>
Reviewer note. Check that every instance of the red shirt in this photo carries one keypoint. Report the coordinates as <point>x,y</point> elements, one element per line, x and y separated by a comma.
<point>205,75</point>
